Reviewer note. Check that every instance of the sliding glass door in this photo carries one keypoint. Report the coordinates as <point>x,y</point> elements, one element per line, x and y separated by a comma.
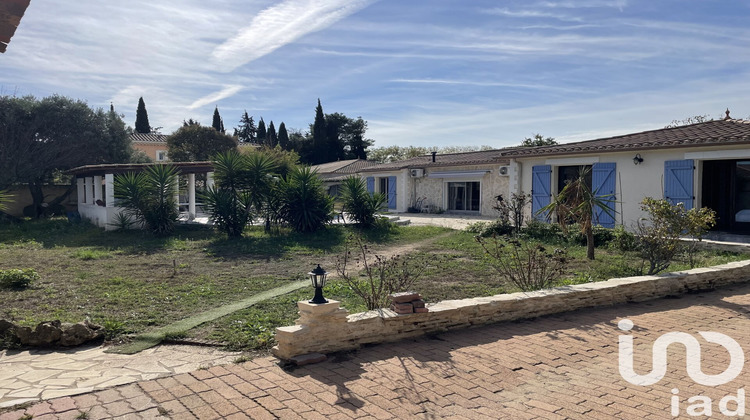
<point>463,196</point>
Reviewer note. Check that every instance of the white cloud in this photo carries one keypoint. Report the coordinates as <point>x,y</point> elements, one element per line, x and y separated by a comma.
<point>282,24</point>
<point>216,96</point>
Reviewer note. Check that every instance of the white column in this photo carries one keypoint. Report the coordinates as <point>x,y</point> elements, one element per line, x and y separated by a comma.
<point>191,196</point>
<point>109,190</point>
<point>97,188</point>
<point>81,190</point>
<point>209,180</point>
<point>89,197</point>
<point>177,193</point>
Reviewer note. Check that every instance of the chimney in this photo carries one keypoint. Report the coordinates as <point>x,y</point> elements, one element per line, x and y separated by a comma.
<point>433,156</point>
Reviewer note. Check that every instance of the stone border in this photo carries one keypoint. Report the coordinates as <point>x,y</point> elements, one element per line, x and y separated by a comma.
<point>328,328</point>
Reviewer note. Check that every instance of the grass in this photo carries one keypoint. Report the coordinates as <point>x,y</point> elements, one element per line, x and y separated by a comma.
<point>199,284</point>
<point>132,282</point>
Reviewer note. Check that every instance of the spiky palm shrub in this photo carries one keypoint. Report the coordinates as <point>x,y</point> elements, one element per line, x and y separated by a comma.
<point>576,203</point>
<point>243,185</point>
<point>149,197</point>
<point>4,200</point>
<point>358,203</point>
<point>305,205</point>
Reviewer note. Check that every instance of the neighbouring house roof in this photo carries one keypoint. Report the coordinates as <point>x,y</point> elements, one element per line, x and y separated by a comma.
<point>337,171</point>
<point>494,156</point>
<point>148,138</point>
<point>710,133</point>
<point>119,168</point>
<point>11,12</point>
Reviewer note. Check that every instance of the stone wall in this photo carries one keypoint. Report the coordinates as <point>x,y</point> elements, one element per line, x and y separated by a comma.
<point>328,328</point>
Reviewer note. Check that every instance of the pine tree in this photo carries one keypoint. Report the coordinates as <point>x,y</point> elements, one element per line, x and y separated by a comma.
<point>319,136</point>
<point>283,137</point>
<point>261,132</point>
<point>141,118</point>
<point>246,130</point>
<point>271,138</point>
<point>218,123</point>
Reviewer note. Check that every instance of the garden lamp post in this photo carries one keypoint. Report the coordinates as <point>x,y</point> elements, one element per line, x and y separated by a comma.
<point>318,279</point>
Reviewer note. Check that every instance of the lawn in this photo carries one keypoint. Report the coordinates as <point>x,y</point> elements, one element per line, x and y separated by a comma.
<point>133,282</point>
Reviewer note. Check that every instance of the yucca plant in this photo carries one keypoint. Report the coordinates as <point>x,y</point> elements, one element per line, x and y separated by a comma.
<point>243,185</point>
<point>4,200</point>
<point>358,203</point>
<point>148,197</point>
<point>305,205</point>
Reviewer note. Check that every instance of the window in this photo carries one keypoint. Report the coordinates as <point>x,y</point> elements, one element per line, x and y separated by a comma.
<point>161,155</point>
<point>568,174</point>
<point>463,196</point>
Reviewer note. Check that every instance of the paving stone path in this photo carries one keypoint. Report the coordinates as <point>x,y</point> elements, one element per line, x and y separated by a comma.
<point>555,367</point>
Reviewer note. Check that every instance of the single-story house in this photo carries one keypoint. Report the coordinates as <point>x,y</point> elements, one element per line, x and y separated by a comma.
<point>333,173</point>
<point>96,191</point>
<point>701,165</point>
<point>456,182</point>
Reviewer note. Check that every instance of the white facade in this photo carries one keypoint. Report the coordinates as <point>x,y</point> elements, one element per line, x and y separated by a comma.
<point>634,182</point>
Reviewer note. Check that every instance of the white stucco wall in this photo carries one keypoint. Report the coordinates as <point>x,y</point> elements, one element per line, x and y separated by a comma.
<point>634,182</point>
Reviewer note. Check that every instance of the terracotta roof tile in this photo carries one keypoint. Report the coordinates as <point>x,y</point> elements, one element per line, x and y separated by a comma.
<point>494,156</point>
<point>148,138</point>
<point>717,132</point>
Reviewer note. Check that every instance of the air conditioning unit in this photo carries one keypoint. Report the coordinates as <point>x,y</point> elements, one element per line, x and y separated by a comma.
<point>504,171</point>
<point>416,173</point>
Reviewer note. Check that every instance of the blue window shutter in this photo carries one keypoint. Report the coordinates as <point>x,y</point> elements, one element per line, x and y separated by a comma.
<point>391,192</point>
<point>541,193</point>
<point>370,185</point>
<point>603,186</point>
<point>678,182</point>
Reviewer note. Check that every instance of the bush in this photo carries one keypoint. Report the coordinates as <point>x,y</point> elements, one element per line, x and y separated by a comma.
<point>358,203</point>
<point>602,235</point>
<point>305,205</point>
<point>148,197</point>
<point>15,278</point>
<point>659,234</point>
<point>546,232</point>
<point>527,265</point>
<point>512,211</point>
<point>383,276</point>
<point>496,228</point>
<point>622,240</point>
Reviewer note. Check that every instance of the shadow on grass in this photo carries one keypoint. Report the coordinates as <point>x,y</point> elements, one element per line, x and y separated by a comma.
<point>258,245</point>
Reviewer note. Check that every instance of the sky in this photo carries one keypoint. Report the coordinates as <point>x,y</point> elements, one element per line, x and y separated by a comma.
<point>420,72</point>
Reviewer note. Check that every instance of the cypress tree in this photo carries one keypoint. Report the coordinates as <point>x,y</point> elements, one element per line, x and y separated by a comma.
<point>319,136</point>
<point>261,132</point>
<point>218,123</point>
<point>141,118</point>
<point>271,138</point>
<point>283,136</point>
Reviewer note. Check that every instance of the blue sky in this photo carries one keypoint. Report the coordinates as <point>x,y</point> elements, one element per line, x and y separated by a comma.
<point>422,73</point>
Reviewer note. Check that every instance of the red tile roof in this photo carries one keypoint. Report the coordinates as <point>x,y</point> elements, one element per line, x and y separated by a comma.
<point>494,156</point>
<point>709,133</point>
<point>148,138</point>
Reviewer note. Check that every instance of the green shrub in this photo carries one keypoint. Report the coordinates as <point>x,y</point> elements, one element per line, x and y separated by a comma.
<point>495,228</point>
<point>15,278</point>
<point>113,329</point>
<point>602,235</point>
<point>623,240</point>
<point>546,232</point>
<point>304,203</point>
<point>359,204</point>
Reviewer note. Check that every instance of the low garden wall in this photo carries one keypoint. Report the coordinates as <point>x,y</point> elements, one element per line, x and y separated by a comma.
<point>328,328</point>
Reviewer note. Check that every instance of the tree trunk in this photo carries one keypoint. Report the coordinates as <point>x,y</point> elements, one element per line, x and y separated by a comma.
<point>590,243</point>
<point>37,197</point>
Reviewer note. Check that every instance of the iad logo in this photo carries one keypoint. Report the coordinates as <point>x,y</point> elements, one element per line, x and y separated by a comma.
<point>701,405</point>
<point>693,349</point>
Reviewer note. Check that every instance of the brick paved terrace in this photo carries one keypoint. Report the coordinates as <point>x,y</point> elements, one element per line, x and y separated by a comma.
<point>562,366</point>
